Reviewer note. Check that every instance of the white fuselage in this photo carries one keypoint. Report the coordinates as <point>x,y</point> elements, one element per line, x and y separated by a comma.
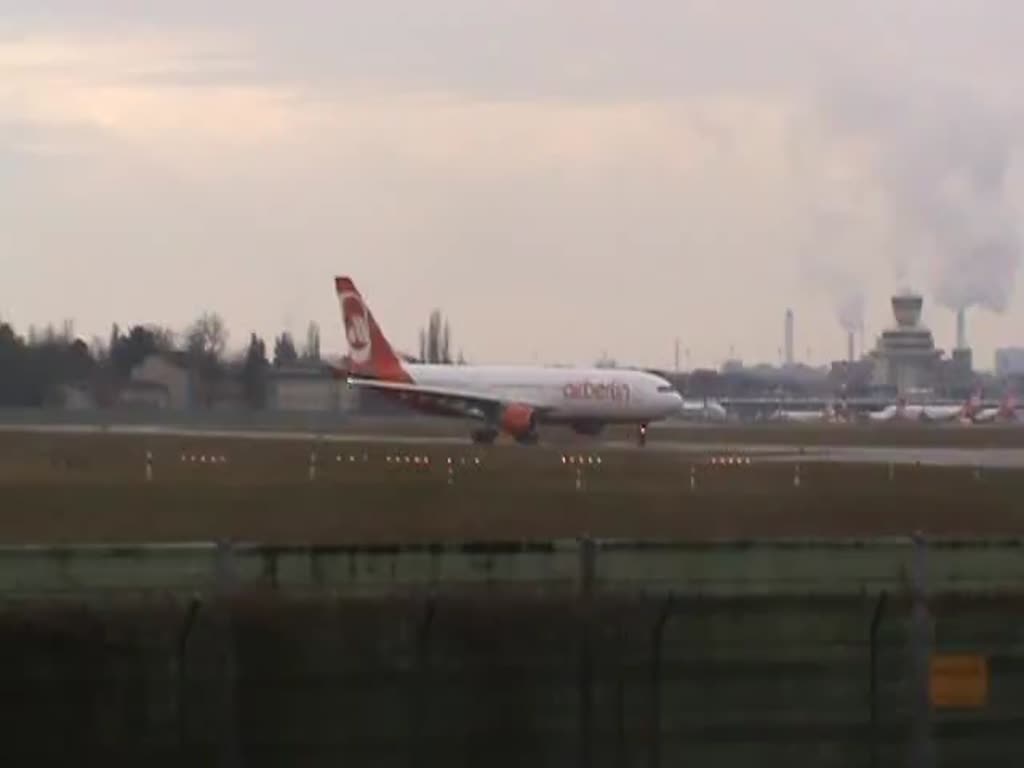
<point>702,410</point>
<point>897,413</point>
<point>605,395</point>
<point>805,417</point>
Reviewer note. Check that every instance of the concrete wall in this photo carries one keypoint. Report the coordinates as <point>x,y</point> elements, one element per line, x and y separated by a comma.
<point>174,380</point>
<point>725,569</point>
<point>308,393</point>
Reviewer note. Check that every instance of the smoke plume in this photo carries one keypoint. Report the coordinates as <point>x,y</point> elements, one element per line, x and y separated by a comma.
<point>831,261</point>
<point>850,310</point>
<point>845,291</point>
<point>943,162</point>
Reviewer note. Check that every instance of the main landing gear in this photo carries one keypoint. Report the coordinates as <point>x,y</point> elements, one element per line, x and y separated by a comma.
<point>484,436</point>
<point>487,436</point>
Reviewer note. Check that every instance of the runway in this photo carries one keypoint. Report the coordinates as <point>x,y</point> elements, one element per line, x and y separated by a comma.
<point>1007,458</point>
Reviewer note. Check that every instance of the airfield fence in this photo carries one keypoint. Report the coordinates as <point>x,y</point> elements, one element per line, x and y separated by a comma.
<point>598,653</point>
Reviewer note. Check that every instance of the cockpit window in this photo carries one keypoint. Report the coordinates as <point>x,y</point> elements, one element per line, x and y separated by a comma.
<point>666,388</point>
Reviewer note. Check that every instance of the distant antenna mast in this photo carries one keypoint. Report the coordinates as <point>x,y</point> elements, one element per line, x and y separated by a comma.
<point>788,340</point>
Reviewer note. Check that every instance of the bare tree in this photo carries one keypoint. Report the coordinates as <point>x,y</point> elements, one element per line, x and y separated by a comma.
<point>434,337</point>
<point>445,356</point>
<point>254,373</point>
<point>436,340</point>
<point>164,338</point>
<point>312,349</point>
<point>284,350</point>
<point>207,337</point>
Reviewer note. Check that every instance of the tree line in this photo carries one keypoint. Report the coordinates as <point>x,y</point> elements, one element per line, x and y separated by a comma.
<point>435,341</point>
<point>39,368</point>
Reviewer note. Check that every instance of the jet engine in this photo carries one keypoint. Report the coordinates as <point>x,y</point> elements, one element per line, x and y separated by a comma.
<point>518,420</point>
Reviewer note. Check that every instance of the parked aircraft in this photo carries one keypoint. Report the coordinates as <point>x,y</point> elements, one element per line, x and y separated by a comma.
<point>964,413</point>
<point>1006,411</point>
<point>935,413</point>
<point>900,411</point>
<point>702,410</point>
<point>830,414</point>
<point>510,399</point>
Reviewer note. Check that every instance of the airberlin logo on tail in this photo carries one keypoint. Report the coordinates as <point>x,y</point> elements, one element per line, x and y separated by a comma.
<point>357,326</point>
<point>596,390</point>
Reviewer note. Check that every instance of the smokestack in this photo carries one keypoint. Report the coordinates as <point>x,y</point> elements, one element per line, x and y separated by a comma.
<point>961,328</point>
<point>789,337</point>
<point>850,352</point>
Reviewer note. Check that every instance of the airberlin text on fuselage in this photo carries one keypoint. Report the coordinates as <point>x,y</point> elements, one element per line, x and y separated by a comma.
<point>596,390</point>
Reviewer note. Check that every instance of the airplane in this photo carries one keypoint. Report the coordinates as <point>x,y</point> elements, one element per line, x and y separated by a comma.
<point>926,413</point>
<point>830,414</point>
<point>899,411</point>
<point>702,410</point>
<point>1005,411</point>
<point>506,399</point>
<point>964,413</point>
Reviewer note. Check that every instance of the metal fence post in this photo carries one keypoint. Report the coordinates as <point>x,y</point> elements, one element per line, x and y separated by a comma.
<point>225,587</point>
<point>876,622</point>
<point>417,753</point>
<point>922,746</point>
<point>622,647</point>
<point>191,614</point>
<point>588,555</point>
<point>588,567</point>
<point>659,632</point>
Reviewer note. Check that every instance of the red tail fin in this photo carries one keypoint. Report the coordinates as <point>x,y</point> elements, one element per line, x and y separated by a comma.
<point>369,352</point>
<point>973,405</point>
<point>1009,405</point>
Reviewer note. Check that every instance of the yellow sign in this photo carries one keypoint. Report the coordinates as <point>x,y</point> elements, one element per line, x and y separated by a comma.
<point>959,681</point>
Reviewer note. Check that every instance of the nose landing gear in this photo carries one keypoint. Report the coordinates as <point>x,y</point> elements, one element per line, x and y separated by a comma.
<point>641,438</point>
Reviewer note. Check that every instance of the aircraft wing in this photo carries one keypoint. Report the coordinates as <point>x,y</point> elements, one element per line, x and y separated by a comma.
<point>452,400</point>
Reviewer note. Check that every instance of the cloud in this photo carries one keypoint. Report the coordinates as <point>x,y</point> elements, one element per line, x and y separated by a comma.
<point>689,150</point>
<point>942,159</point>
<point>134,93</point>
<point>106,89</point>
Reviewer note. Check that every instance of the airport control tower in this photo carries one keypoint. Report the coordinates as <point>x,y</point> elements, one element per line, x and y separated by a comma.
<point>905,356</point>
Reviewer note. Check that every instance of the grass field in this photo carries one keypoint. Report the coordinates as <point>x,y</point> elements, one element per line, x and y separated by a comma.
<point>75,488</point>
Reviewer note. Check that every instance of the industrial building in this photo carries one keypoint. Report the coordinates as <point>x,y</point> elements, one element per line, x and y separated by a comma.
<point>1010,362</point>
<point>308,388</point>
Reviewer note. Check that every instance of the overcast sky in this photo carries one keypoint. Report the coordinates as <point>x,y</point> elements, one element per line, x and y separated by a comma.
<point>562,178</point>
